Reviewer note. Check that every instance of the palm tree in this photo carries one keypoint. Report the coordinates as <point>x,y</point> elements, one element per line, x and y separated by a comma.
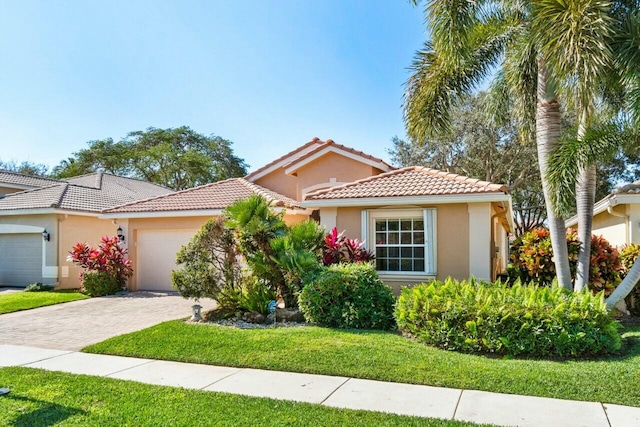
<point>580,50</point>
<point>468,40</point>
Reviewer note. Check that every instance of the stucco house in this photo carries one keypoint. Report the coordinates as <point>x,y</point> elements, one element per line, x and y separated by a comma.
<point>617,216</point>
<point>421,223</point>
<point>41,219</point>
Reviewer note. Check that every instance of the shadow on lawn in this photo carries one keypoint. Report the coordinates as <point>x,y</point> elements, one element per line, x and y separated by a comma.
<point>46,413</point>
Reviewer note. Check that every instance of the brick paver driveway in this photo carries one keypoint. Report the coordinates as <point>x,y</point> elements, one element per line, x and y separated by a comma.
<point>74,325</point>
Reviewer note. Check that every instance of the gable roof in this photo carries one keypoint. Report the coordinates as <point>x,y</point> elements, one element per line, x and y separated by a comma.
<point>88,193</point>
<point>413,181</point>
<point>315,147</point>
<point>208,197</point>
<point>20,181</point>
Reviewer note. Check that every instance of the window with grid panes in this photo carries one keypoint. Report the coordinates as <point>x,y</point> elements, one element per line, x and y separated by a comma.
<point>400,244</point>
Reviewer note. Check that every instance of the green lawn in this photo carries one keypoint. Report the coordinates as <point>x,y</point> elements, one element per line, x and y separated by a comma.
<point>27,300</point>
<point>388,357</point>
<point>41,398</point>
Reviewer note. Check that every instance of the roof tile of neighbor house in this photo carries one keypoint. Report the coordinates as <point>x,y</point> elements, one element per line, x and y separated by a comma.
<point>25,180</point>
<point>409,181</point>
<point>633,188</point>
<point>217,195</point>
<point>89,193</point>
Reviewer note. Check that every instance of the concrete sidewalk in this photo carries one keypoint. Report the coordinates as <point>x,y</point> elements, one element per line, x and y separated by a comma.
<point>403,399</point>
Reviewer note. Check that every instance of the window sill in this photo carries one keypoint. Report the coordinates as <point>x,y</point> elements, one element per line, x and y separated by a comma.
<point>396,277</point>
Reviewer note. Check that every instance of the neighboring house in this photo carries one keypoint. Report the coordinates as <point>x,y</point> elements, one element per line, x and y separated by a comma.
<point>617,216</point>
<point>421,223</point>
<point>41,219</point>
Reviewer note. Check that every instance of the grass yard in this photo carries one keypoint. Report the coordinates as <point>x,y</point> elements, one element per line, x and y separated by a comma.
<point>27,300</point>
<point>40,398</point>
<point>388,357</point>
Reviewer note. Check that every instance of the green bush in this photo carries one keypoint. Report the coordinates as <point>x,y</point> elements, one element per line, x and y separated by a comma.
<point>473,316</point>
<point>348,296</point>
<point>99,283</point>
<point>38,287</point>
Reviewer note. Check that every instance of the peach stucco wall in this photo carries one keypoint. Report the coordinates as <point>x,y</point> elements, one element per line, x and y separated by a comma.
<point>74,229</point>
<point>452,238</point>
<point>331,165</point>
<point>612,228</point>
<point>280,182</point>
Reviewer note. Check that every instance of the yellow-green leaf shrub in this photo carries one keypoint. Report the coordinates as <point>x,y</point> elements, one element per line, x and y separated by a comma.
<point>479,317</point>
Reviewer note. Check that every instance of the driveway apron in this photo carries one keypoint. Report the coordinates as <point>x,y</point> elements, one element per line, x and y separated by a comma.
<point>74,325</point>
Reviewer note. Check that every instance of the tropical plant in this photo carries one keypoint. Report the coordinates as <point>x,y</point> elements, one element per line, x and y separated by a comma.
<point>209,263</point>
<point>474,316</point>
<point>338,248</point>
<point>276,254</point>
<point>532,260</point>
<point>108,258</point>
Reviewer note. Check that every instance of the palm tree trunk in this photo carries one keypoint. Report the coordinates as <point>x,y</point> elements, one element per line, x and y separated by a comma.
<point>548,129</point>
<point>625,288</point>
<point>585,199</point>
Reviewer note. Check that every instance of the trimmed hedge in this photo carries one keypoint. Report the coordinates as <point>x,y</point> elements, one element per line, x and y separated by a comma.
<point>348,296</point>
<point>99,284</point>
<point>474,316</point>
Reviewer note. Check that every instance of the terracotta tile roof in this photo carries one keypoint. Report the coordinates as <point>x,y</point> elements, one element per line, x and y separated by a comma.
<point>291,154</point>
<point>8,177</point>
<point>217,195</point>
<point>633,188</point>
<point>330,143</point>
<point>100,192</point>
<point>410,181</point>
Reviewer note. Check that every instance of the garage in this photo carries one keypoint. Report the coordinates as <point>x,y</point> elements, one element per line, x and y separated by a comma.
<point>20,259</point>
<point>156,255</point>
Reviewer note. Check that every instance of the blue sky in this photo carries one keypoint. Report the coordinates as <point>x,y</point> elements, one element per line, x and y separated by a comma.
<point>268,75</point>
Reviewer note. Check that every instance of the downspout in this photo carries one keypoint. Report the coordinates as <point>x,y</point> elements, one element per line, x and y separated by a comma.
<point>626,221</point>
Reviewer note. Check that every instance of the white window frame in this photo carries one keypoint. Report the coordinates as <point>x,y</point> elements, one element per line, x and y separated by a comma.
<point>430,246</point>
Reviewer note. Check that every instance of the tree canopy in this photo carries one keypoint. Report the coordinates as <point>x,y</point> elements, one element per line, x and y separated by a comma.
<point>25,168</point>
<point>177,158</point>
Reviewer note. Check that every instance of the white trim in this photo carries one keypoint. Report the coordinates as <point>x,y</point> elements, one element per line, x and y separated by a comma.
<point>404,275</point>
<point>364,226</point>
<point>329,184</point>
<point>604,204</point>
<point>430,237</point>
<point>297,164</point>
<point>281,163</point>
<point>408,200</point>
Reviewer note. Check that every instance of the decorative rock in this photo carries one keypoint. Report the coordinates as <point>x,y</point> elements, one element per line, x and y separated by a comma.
<point>253,317</point>
<point>289,315</point>
<point>271,318</point>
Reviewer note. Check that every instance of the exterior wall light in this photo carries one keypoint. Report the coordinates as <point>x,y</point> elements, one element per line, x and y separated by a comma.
<point>120,234</point>
<point>46,236</point>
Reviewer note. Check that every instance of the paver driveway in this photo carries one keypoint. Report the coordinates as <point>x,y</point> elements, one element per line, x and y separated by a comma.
<point>74,325</point>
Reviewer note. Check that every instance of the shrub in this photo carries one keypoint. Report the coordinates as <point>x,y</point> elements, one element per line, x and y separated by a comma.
<point>348,296</point>
<point>38,287</point>
<point>532,260</point>
<point>108,258</point>
<point>100,283</point>
<point>209,263</point>
<point>338,248</point>
<point>473,316</point>
<point>628,255</point>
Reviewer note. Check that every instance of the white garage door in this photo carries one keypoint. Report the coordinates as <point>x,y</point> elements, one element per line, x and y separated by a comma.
<point>20,259</point>
<point>156,252</point>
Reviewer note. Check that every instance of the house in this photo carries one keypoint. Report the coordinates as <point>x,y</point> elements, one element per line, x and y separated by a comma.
<point>617,216</point>
<point>41,219</point>
<point>421,223</point>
